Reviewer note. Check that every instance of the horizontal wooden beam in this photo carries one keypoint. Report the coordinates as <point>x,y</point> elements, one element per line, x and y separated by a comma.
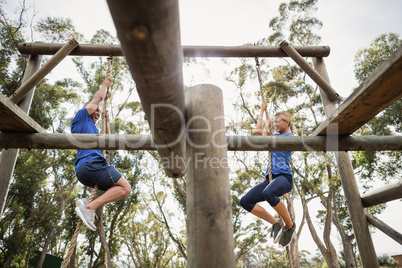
<point>20,93</point>
<point>381,89</point>
<point>14,119</point>
<point>188,51</point>
<point>383,194</point>
<point>386,229</point>
<point>234,143</point>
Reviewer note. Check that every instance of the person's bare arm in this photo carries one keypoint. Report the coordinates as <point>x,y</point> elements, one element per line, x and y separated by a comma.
<point>266,131</point>
<point>98,97</point>
<point>259,127</point>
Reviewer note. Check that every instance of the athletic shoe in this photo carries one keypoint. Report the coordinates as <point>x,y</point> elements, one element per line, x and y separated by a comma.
<point>287,235</point>
<point>87,216</point>
<point>80,202</point>
<point>276,231</point>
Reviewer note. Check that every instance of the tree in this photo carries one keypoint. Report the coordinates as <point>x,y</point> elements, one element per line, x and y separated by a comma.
<point>10,32</point>
<point>379,164</point>
<point>387,261</point>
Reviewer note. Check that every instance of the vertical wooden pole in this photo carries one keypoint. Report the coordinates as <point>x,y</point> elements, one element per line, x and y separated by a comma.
<point>209,212</point>
<point>8,158</point>
<point>350,188</point>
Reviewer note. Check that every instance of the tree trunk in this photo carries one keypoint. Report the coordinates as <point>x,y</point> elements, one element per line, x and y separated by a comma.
<point>52,231</point>
<point>293,250</point>
<point>324,251</point>
<point>332,260</point>
<point>349,255</point>
<point>102,238</point>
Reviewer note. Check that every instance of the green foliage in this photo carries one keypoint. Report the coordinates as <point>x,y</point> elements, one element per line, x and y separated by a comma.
<point>57,30</point>
<point>9,56</point>
<point>387,261</point>
<point>296,19</point>
<point>382,165</point>
<point>368,59</point>
<point>49,100</point>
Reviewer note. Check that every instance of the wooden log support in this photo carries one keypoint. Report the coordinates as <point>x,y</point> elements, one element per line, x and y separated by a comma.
<point>350,188</point>
<point>20,93</point>
<point>149,32</point>
<point>188,51</point>
<point>317,78</point>
<point>209,211</point>
<point>386,229</point>
<point>381,89</point>
<point>8,158</point>
<point>15,119</point>
<point>234,143</point>
<point>383,194</point>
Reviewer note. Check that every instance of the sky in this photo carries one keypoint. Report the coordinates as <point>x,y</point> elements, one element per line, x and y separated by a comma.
<point>348,26</point>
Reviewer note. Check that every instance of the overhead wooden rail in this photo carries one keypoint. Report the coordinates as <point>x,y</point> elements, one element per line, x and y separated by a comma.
<point>149,32</point>
<point>188,51</point>
<point>382,88</point>
<point>234,143</point>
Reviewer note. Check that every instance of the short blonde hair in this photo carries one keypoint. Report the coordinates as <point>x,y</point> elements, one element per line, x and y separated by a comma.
<point>287,117</point>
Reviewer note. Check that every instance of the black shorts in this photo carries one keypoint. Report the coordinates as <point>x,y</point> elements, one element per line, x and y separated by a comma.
<point>98,171</point>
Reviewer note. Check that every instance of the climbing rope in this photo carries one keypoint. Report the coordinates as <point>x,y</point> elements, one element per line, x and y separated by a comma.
<point>108,96</point>
<point>257,66</point>
<point>73,242</point>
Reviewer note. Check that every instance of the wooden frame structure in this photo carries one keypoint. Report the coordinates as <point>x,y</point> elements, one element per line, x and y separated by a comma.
<point>150,42</point>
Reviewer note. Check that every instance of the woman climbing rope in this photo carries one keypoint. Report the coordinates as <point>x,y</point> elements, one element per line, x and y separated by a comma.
<point>281,183</point>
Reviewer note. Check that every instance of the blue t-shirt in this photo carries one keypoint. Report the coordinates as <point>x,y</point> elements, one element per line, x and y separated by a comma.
<point>83,123</point>
<point>280,160</point>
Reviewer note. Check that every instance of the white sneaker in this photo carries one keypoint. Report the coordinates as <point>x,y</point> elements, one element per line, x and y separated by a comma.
<point>81,201</point>
<point>87,216</point>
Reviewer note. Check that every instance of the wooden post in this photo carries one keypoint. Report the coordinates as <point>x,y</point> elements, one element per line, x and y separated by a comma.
<point>149,32</point>
<point>47,68</point>
<point>350,188</point>
<point>209,213</point>
<point>8,158</point>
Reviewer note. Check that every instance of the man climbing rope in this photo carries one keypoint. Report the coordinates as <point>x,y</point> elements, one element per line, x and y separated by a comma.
<point>91,167</point>
<point>282,181</point>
